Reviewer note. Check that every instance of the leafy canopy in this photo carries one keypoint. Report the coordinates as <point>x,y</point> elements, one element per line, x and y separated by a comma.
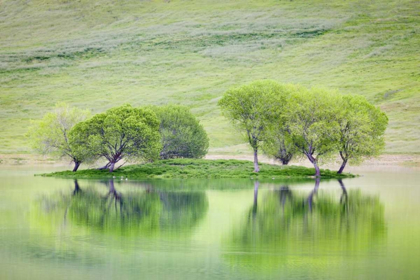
<point>251,107</point>
<point>51,134</point>
<point>311,121</point>
<point>362,126</point>
<point>121,132</point>
<point>182,134</point>
<point>279,145</point>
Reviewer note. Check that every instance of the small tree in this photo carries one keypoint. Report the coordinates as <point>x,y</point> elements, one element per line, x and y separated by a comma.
<point>182,134</point>
<point>311,123</point>
<point>121,132</point>
<point>362,127</point>
<point>251,108</point>
<point>50,135</point>
<point>278,145</point>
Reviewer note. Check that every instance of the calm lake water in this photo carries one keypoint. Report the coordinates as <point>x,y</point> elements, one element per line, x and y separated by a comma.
<point>362,228</point>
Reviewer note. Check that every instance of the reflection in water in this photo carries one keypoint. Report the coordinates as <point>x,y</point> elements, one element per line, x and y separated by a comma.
<point>136,212</point>
<point>287,226</point>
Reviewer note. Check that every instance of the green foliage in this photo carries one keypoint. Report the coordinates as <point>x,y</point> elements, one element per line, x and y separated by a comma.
<point>362,127</point>
<point>251,108</point>
<point>318,223</point>
<point>311,122</point>
<point>121,132</point>
<point>51,134</point>
<point>200,168</point>
<point>191,52</point>
<point>279,145</point>
<point>135,212</point>
<point>182,134</point>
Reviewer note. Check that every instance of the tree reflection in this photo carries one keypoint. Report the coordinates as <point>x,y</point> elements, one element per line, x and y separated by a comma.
<point>141,211</point>
<point>290,225</point>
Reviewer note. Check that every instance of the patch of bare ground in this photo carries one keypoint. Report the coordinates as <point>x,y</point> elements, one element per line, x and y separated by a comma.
<point>29,159</point>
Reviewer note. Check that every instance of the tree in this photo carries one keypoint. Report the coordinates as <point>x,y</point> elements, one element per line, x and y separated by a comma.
<point>121,132</point>
<point>278,145</point>
<point>362,127</point>
<point>50,135</point>
<point>310,120</point>
<point>289,220</point>
<point>182,134</point>
<point>251,108</point>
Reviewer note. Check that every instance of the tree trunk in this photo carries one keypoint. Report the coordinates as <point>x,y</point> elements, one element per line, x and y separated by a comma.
<point>256,167</point>
<point>76,165</point>
<point>314,161</point>
<point>111,167</point>
<point>317,171</point>
<point>343,165</point>
<point>104,167</point>
<point>284,162</point>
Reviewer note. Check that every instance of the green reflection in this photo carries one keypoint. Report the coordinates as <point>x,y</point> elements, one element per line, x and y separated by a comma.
<point>135,212</point>
<point>312,231</point>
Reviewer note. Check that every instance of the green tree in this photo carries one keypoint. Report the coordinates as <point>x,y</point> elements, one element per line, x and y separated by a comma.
<point>252,107</point>
<point>120,133</point>
<point>50,135</point>
<point>288,220</point>
<point>279,146</point>
<point>128,211</point>
<point>182,134</point>
<point>362,127</point>
<point>311,122</point>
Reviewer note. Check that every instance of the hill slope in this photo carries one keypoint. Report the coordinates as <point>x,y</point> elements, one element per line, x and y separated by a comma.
<point>99,54</point>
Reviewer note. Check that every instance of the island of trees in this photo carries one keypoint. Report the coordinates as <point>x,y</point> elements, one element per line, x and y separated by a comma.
<point>284,121</point>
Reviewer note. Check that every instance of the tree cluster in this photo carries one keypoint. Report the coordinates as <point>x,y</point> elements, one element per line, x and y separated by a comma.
<point>122,133</point>
<point>290,120</point>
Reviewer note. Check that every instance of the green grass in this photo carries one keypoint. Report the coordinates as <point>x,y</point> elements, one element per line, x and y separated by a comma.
<point>100,54</point>
<point>199,168</point>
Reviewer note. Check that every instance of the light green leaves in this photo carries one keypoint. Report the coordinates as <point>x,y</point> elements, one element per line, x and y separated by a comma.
<point>182,134</point>
<point>51,134</point>
<point>251,107</point>
<point>121,132</point>
<point>362,127</point>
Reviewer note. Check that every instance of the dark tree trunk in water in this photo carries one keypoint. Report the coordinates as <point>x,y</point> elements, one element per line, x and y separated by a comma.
<point>343,165</point>
<point>76,166</point>
<point>314,161</point>
<point>344,196</point>
<point>111,186</point>
<point>256,167</point>
<point>314,191</point>
<point>254,207</point>
<point>76,187</point>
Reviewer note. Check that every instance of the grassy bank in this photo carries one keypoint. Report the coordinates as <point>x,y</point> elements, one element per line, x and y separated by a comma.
<point>187,168</point>
<point>101,54</point>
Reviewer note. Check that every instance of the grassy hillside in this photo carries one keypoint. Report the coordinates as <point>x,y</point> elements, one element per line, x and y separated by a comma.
<point>99,54</point>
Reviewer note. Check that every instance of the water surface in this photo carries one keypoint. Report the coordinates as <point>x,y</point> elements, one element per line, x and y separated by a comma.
<point>361,228</point>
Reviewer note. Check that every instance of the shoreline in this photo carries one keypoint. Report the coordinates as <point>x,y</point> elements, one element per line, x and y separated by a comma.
<point>388,162</point>
<point>200,169</point>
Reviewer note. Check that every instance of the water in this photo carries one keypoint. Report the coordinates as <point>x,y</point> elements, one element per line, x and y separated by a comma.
<point>364,228</point>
